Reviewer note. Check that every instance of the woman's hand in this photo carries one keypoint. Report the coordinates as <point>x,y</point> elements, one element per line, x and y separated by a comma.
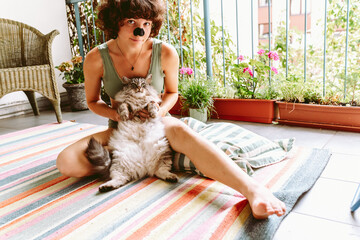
<point>143,114</point>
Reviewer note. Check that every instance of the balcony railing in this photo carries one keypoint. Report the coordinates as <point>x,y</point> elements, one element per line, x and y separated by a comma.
<point>208,47</point>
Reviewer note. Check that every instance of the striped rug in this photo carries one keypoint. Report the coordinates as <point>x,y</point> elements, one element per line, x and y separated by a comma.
<point>37,202</point>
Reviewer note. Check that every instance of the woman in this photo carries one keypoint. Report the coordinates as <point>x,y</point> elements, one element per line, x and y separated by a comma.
<point>133,52</point>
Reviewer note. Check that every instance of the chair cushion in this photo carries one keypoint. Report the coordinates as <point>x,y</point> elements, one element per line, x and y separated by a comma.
<point>247,149</point>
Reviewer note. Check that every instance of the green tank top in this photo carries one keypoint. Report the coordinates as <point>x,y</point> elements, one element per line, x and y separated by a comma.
<point>112,81</point>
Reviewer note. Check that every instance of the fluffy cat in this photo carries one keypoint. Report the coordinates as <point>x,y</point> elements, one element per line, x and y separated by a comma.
<point>136,148</point>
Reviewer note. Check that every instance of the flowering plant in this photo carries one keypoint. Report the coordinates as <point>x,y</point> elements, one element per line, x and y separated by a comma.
<point>185,70</point>
<point>72,70</point>
<point>252,72</point>
<point>196,92</point>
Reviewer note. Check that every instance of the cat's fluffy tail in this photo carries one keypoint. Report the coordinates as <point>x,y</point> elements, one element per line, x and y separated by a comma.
<point>99,157</point>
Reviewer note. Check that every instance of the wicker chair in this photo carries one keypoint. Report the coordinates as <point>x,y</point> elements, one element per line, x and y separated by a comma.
<point>26,63</point>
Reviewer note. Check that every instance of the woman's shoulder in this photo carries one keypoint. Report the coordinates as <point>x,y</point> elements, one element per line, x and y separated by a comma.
<point>168,51</point>
<point>169,58</point>
<point>93,59</point>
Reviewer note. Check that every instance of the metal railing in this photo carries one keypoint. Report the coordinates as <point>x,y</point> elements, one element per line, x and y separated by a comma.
<point>82,11</point>
<point>81,31</point>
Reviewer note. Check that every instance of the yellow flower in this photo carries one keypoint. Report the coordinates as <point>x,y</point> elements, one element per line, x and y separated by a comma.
<point>68,66</point>
<point>76,59</point>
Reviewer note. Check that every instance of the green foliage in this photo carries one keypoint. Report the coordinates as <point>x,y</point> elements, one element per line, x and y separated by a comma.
<point>91,35</point>
<point>197,39</point>
<point>197,93</point>
<point>338,88</point>
<point>72,71</point>
<point>295,90</point>
<point>252,73</point>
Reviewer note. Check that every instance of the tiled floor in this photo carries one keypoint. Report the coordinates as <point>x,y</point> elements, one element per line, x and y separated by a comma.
<point>322,213</point>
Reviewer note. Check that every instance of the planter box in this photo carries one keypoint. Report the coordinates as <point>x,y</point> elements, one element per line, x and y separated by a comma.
<point>250,110</point>
<point>176,109</point>
<point>323,116</point>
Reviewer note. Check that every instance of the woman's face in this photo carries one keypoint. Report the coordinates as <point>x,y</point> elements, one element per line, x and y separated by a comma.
<point>142,26</point>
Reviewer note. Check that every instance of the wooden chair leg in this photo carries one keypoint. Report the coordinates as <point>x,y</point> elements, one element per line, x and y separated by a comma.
<point>57,108</point>
<point>31,96</point>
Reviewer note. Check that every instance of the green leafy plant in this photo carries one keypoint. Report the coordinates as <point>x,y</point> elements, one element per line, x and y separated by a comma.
<point>91,35</point>
<point>252,73</point>
<point>337,88</point>
<point>197,93</point>
<point>295,90</point>
<point>187,36</point>
<point>72,71</point>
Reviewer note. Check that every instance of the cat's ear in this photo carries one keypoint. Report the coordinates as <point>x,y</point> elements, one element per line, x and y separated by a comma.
<point>148,79</point>
<point>125,80</point>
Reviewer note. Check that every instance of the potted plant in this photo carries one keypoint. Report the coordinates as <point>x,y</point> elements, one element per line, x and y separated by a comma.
<point>253,97</point>
<point>197,97</point>
<point>184,74</point>
<point>302,104</point>
<point>73,74</point>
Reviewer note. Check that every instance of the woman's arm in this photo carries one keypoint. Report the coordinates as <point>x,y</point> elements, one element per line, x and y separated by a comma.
<point>170,66</point>
<point>93,72</point>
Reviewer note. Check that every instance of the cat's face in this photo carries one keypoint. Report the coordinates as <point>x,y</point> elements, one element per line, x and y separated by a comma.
<point>137,85</point>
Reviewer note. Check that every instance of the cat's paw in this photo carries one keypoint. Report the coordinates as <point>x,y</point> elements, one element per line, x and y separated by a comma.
<point>171,178</point>
<point>124,117</point>
<point>153,109</point>
<point>153,114</point>
<point>105,188</point>
<point>110,185</point>
<point>123,112</point>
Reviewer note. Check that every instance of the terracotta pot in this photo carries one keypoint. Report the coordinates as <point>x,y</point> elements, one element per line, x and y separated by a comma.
<point>324,116</point>
<point>250,110</point>
<point>76,95</point>
<point>176,109</point>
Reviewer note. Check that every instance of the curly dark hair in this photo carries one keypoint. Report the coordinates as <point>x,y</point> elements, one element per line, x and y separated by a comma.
<point>113,12</point>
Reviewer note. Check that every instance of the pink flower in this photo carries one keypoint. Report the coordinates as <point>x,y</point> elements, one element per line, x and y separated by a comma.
<point>261,52</point>
<point>274,70</point>
<point>241,58</point>
<point>190,71</point>
<point>249,71</point>
<point>185,70</point>
<point>273,55</point>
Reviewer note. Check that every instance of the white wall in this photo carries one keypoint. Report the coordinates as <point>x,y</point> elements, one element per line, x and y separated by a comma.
<point>44,15</point>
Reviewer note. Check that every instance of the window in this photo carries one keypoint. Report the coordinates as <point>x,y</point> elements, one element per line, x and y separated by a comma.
<point>263,3</point>
<point>297,7</point>
<point>263,30</point>
<point>303,6</point>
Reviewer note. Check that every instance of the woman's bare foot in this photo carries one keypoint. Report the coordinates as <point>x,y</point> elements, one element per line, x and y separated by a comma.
<point>263,203</point>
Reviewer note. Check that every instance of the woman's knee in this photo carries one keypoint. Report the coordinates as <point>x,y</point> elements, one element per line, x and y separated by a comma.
<point>177,132</point>
<point>70,165</point>
<point>73,162</point>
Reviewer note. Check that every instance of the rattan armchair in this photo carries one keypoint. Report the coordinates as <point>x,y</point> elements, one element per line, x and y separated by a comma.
<point>26,63</point>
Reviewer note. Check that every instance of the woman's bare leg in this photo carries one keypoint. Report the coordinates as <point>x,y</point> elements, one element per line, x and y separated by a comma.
<point>72,160</point>
<point>215,164</point>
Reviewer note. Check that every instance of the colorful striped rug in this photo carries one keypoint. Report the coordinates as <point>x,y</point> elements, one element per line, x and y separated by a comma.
<point>37,202</point>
